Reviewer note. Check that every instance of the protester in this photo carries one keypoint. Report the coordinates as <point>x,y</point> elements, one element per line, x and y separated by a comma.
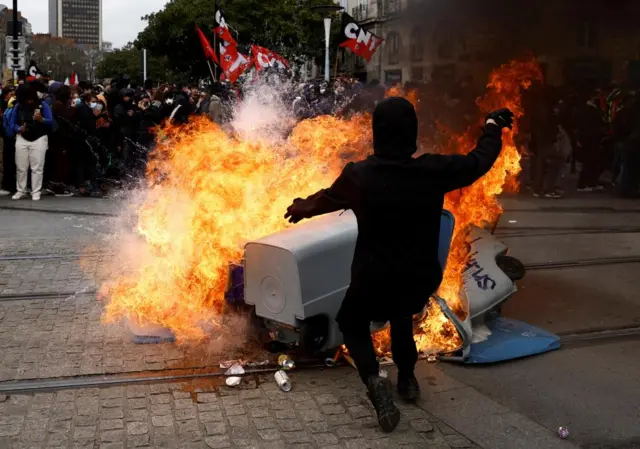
<point>31,121</point>
<point>216,112</point>
<point>8,144</point>
<point>398,202</point>
<point>60,142</point>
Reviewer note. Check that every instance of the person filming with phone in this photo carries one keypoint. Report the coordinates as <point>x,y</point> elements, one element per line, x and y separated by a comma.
<point>31,121</point>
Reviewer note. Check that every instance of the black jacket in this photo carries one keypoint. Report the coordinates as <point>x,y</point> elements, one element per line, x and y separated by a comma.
<point>398,200</point>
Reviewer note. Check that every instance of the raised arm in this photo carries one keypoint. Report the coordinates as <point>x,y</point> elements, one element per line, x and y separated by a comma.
<point>460,171</point>
<point>324,201</point>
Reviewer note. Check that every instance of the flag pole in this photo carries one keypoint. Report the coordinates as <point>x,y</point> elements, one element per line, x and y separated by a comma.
<point>211,70</point>
<point>217,53</point>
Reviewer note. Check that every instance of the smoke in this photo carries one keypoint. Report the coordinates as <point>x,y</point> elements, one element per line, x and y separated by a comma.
<point>264,114</point>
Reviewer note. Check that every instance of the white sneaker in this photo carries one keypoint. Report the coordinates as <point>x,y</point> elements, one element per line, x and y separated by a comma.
<point>35,197</point>
<point>18,196</point>
<point>4,192</point>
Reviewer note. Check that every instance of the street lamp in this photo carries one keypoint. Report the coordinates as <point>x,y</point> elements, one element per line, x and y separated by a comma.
<point>327,33</point>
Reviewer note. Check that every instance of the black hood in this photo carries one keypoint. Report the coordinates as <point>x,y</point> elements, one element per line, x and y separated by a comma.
<point>395,129</point>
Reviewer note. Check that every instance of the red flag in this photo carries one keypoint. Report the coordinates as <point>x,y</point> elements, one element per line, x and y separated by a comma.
<point>225,35</point>
<point>264,58</point>
<point>73,81</point>
<point>233,63</point>
<point>363,43</point>
<point>222,30</point>
<point>206,46</point>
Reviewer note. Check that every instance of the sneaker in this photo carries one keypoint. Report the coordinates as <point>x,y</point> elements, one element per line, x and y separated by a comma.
<point>35,197</point>
<point>18,196</point>
<point>408,388</point>
<point>381,396</point>
<point>553,195</point>
<point>4,192</point>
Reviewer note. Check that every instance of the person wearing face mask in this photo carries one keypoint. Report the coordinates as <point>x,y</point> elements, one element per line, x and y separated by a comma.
<point>62,139</point>
<point>84,158</point>
<point>126,118</point>
<point>31,121</point>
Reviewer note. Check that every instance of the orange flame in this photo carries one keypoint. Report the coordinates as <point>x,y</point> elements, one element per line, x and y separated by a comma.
<point>209,193</point>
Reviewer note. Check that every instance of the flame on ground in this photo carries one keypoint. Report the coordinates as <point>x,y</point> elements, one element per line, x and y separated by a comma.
<point>209,193</point>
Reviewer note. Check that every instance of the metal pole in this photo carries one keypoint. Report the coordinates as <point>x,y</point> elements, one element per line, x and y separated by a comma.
<point>211,70</point>
<point>327,33</point>
<point>16,48</point>
<point>216,50</point>
<point>144,65</point>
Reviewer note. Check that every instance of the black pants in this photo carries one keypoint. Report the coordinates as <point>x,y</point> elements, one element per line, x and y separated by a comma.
<point>9,164</point>
<point>593,163</point>
<point>357,338</point>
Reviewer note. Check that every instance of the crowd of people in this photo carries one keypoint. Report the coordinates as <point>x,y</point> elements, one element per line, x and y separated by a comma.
<point>81,140</point>
<point>596,129</point>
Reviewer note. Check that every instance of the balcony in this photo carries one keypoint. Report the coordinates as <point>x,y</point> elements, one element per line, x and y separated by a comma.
<point>360,12</point>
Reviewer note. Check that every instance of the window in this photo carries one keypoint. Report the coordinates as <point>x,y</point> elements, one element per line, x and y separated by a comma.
<point>392,6</point>
<point>417,51</point>
<point>444,41</point>
<point>393,48</point>
<point>586,34</point>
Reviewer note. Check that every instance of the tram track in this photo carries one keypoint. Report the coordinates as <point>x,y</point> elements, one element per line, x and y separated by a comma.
<point>574,210</point>
<point>537,231</point>
<point>45,295</point>
<point>19,257</point>
<point>539,266</point>
<point>570,340</point>
<point>582,263</point>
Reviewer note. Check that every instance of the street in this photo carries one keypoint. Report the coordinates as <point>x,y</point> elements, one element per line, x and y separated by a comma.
<point>54,254</point>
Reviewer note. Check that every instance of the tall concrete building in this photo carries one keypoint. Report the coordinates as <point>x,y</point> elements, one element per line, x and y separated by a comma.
<point>80,20</point>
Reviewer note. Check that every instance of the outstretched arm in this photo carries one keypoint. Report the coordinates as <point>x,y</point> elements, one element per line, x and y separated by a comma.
<point>324,201</point>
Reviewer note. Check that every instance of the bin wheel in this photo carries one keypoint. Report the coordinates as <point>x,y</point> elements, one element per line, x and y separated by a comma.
<point>512,267</point>
<point>314,332</point>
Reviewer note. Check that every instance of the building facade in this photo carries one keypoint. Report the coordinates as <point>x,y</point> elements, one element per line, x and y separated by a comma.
<point>80,20</point>
<point>573,40</point>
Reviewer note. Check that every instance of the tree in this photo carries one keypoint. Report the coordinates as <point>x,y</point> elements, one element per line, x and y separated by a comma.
<point>128,61</point>
<point>288,27</point>
<point>58,56</point>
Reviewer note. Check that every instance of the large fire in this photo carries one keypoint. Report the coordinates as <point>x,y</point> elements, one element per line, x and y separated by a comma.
<point>209,193</point>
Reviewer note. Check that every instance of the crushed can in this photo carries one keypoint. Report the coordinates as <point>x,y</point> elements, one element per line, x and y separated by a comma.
<point>285,362</point>
<point>563,432</point>
<point>283,380</point>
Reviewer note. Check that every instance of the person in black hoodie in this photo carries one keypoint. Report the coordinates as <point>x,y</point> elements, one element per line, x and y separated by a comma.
<point>126,118</point>
<point>62,139</point>
<point>398,201</point>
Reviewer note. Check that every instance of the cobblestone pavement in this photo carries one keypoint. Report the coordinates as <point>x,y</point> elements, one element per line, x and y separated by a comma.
<point>66,337</point>
<point>324,410</point>
<point>55,337</point>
